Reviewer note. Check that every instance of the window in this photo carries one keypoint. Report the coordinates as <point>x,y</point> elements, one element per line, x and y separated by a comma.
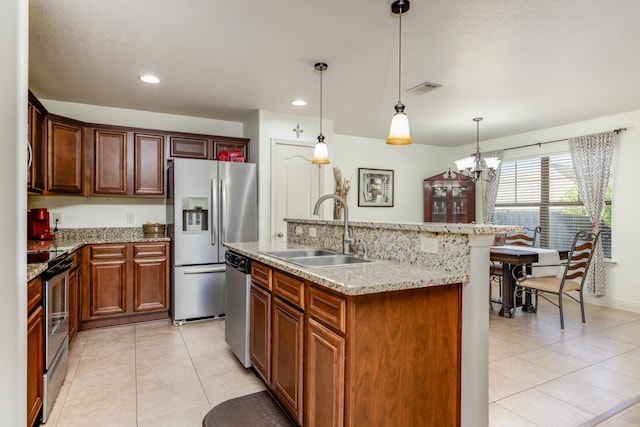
<point>543,191</point>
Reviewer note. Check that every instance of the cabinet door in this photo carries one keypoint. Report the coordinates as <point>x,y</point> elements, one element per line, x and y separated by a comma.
<point>148,169</point>
<point>150,271</point>
<point>287,353</point>
<point>192,147</point>
<point>110,162</point>
<point>64,148</point>
<point>37,132</point>
<point>107,290</point>
<point>227,144</point>
<point>34,364</point>
<point>260,336</point>
<point>324,376</point>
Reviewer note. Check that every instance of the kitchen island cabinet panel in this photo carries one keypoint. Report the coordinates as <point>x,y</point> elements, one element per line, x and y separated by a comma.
<point>324,376</point>
<point>404,358</point>
<point>64,155</point>
<point>260,332</point>
<point>287,357</point>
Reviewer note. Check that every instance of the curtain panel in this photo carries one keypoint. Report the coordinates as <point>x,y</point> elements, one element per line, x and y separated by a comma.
<point>592,156</point>
<point>489,190</point>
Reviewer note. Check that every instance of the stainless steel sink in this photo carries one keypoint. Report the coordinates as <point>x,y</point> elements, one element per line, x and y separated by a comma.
<point>328,260</point>
<point>315,257</point>
<point>296,253</point>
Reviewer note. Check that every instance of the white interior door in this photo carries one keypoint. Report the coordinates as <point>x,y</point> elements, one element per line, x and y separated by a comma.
<point>296,183</point>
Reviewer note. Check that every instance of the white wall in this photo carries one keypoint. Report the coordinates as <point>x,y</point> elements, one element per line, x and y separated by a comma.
<point>14,41</point>
<point>80,212</point>
<point>411,165</point>
<point>623,290</point>
<point>280,126</point>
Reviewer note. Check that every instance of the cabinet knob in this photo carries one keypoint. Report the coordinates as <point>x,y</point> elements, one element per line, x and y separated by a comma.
<point>280,234</point>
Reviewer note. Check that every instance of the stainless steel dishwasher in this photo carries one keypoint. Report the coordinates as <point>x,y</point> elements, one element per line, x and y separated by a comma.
<point>237,291</point>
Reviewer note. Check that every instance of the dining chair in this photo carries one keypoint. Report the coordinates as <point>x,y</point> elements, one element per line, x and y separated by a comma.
<point>526,237</point>
<point>571,280</point>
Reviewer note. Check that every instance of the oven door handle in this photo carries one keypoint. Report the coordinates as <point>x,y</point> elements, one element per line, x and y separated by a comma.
<point>60,267</point>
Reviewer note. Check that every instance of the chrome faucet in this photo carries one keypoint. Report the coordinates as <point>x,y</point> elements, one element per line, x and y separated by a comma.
<point>346,239</point>
<point>363,243</point>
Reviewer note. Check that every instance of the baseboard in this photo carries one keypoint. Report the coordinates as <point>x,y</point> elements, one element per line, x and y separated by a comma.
<point>618,304</point>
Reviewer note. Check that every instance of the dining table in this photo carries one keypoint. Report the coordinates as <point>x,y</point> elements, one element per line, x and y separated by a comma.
<point>514,258</point>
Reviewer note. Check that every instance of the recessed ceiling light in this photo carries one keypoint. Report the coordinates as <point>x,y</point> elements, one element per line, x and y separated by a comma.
<point>148,78</point>
<point>299,102</point>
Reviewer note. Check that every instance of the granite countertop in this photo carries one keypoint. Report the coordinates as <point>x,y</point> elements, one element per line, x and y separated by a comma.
<point>354,279</point>
<point>71,240</point>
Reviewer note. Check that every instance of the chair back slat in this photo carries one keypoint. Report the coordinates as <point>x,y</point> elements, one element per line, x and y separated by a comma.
<point>527,237</point>
<point>580,257</point>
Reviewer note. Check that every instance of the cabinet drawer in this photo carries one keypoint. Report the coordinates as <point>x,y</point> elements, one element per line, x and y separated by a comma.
<point>289,288</point>
<point>261,274</point>
<point>34,293</point>
<point>150,250</point>
<point>108,251</point>
<point>328,308</point>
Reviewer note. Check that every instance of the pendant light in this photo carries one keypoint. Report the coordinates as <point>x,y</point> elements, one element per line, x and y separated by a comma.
<point>399,131</point>
<point>320,153</point>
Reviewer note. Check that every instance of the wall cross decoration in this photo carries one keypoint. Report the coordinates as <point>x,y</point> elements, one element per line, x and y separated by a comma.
<point>297,130</point>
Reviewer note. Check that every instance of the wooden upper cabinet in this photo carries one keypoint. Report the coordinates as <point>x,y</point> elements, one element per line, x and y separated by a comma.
<point>205,146</point>
<point>226,143</point>
<point>110,162</point>
<point>127,163</point>
<point>148,169</point>
<point>36,173</point>
<point>64,155</point>
<point>193,147</point>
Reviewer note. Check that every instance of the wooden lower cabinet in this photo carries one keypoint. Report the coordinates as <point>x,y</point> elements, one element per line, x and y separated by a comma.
<point>34,351</point>
<point>260,331</point>
<point>324,376</point>
<point>384,359</point>
<point>287,356</point>
<point>124,283</point>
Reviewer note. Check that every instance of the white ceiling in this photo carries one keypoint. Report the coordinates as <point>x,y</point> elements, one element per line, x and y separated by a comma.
<point>522,65</point>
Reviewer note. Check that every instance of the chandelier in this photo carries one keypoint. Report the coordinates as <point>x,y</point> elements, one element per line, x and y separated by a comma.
<point>476,167</point>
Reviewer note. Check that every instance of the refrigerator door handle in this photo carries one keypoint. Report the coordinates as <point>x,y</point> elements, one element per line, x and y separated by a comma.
<point>204,270</point>
<point>223,210</point>
<point>214,212</point>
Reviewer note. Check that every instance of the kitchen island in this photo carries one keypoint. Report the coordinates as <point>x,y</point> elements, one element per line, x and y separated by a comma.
<point>456,267</point>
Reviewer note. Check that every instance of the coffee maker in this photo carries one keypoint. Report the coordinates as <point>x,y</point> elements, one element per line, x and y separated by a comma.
<point>38,225</point>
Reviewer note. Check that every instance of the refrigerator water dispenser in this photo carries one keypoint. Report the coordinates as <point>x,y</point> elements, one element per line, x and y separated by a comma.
<point>195,214</point>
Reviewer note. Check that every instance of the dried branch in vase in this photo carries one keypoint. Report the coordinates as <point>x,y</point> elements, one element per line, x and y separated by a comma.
<point>342,189</point>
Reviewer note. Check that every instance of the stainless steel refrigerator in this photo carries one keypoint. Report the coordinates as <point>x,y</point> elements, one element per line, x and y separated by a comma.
<point>208,202</point>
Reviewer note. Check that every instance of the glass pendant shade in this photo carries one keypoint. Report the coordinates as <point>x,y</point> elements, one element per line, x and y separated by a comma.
<point>320,153</point>
<point>399,131</point>
<point>466,163</point>
<point>492,162</point>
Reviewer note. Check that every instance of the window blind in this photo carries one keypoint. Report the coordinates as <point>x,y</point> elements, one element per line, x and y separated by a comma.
<point>543,191</point>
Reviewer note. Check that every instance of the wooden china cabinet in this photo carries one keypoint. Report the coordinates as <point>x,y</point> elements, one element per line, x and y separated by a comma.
<point>448,199</point>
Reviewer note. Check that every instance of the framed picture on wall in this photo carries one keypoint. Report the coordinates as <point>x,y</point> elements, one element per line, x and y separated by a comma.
<point>375,187</point>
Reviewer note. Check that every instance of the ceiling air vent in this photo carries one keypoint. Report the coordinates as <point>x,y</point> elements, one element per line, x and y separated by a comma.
<point>423,88</point>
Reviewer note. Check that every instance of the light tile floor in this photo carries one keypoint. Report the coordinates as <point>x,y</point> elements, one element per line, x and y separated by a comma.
<point>155,374</point>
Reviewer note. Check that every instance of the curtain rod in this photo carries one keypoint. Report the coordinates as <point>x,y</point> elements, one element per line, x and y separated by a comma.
<point>617,131</point>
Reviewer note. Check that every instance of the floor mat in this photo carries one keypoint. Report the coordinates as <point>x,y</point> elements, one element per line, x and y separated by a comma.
<point>257,409</point>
